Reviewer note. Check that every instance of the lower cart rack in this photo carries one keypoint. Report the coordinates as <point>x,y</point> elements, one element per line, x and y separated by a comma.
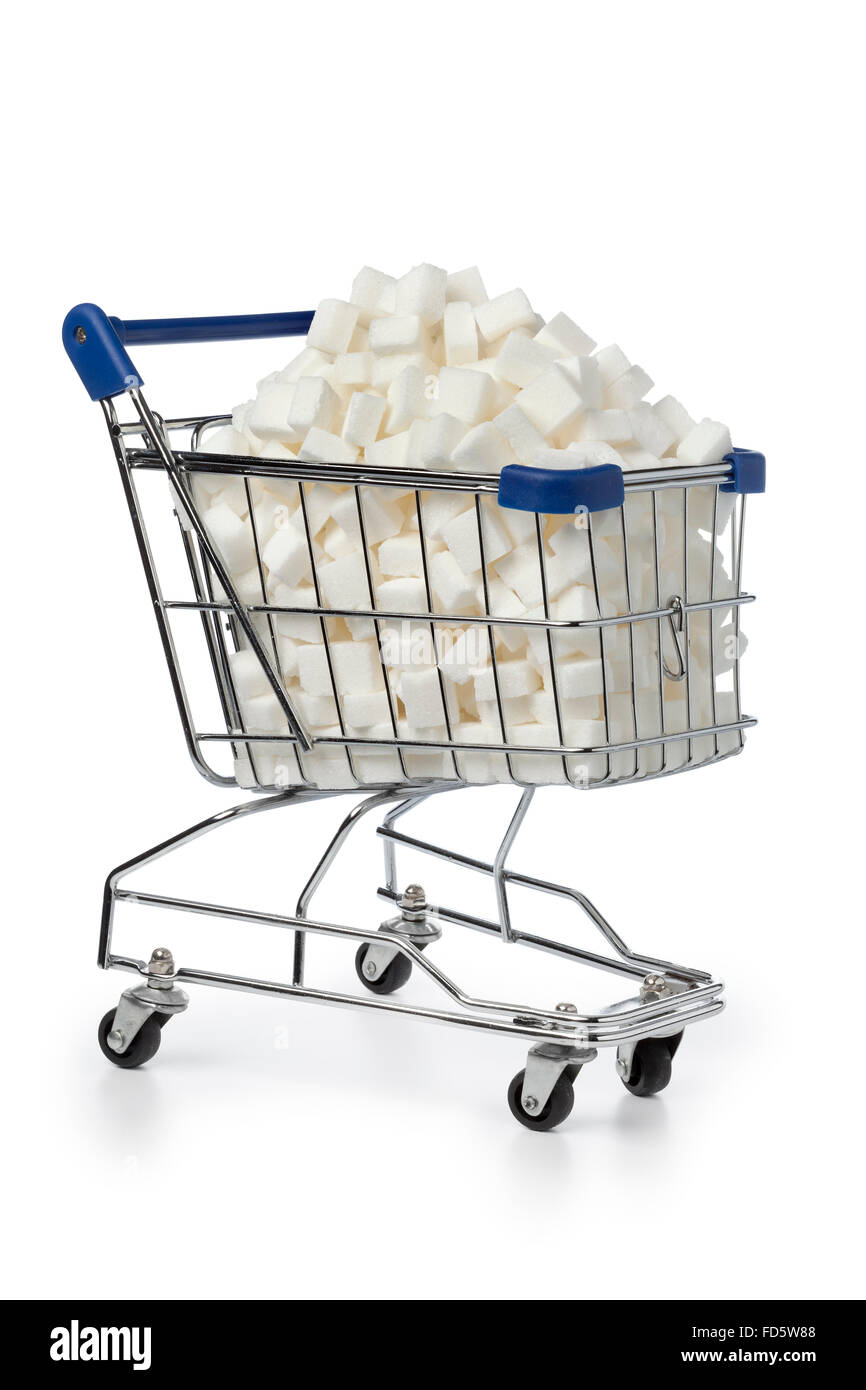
<point>645,1028</point>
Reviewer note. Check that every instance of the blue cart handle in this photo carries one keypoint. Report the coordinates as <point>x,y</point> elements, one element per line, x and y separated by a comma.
<point>97,344</point>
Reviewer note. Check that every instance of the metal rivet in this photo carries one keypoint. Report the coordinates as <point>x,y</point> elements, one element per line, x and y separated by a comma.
<point>80,335</point>
<point>115,1036</point>
<point>370,967</point>
<point>530,1103</point>
<point>566,1008</point>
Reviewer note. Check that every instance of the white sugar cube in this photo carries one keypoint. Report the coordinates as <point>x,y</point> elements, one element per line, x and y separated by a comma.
<point>463,393</point>
<point>332,326</point>
<point>455,591</point>
<point>466,286</point>
<point>708,442</point>
<point>374,294</point>
<point>675,416</point>
<point>521,359</point>
<point>421,693</point>
<point>407,399</point>
<point>307,363</point>
<point>382,517</point>
<point>389,452</point>
<point>403,595</point>
<point>286,555</point>
<point>498,316</point>
<point>562,335</point>
<point>612,363</point>
<point>628,389</point>
<point>421,291</point>
<point>586,377</point>
<point>248,675</point>
<point>354,368</point>
<point>406,333</point>
<point>502,392</point>
<point>263,714</point>
<point>337,542</point>
<point>634,459</point>
<point>343,583</point>
<point>226,440</point>
<point>649,431</point>
<point>571,547</point>
<point>579,677</point>
<point>363,418</point>
<point>357,667</point>
<point>232,537</point>
<point>439,507</point>
<point>313,404</point>
<point>320,446</point>
<point>551,400</point>
<point>400,556</point>
<point>461,537</point>
<point>592,453</point>
<point>515,678</point>
<point>519,433</point>
<point>612,426</point>
<point>482,450</point>
<point>460,335</point>
<point>466,655</point>
<point>362,711</point>
<point>435,440</point>
<point>269,416</point>
<point>316,711</point>
<point>520,570</point>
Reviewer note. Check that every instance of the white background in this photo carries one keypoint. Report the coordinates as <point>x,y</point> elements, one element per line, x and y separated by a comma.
<point>682,178</point>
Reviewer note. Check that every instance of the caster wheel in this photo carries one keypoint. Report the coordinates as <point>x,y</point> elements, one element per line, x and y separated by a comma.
<point>557,1108</point>
<point>394,976</point>
<point>144,1045</point>
<point>651,1065</point>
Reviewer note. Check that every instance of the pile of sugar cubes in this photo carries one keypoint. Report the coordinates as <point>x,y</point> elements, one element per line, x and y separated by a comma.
<point>427,372</point>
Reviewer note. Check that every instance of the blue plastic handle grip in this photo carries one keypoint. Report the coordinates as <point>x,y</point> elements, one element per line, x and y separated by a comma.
<point>558,491</point>
<point>96,344</point>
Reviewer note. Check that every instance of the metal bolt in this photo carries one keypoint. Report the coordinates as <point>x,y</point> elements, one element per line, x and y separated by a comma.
<point>370,968</point>
<point>80,335</point>
<point>161,962</point>
<point>653,984</point>
<point>566,1008</point>
<point>621,1066</point>
<point>115,1037</point>
<point>413,897</point>
<point>530,1103</point>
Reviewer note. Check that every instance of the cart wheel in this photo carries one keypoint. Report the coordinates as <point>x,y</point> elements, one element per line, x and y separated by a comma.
<point>394,976</point>
<point>557,1108</point>
<point>651,1065</point>
<point>144,1045</point>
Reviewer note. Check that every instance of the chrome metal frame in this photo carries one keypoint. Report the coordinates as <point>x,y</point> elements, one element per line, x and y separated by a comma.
<point>667,996</point>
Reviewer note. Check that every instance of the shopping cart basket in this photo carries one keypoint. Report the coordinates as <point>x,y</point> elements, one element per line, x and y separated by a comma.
<point>665,635</point>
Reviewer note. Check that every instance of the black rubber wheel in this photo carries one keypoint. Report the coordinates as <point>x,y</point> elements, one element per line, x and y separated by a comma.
<point>557,1108</point>
<point>394,976</point>
<point>651,1066</point>
<point>144,1045</point>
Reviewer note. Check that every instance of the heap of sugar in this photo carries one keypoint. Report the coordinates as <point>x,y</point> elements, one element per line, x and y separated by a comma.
<point>428,373</point>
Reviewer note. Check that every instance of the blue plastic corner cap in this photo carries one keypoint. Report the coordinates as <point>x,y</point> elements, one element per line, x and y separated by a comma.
<point>97,354</point>
<point>559,491</point>
<point>749,469</point>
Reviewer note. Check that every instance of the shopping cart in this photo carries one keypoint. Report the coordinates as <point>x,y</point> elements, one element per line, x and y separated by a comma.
<point>675,633</point>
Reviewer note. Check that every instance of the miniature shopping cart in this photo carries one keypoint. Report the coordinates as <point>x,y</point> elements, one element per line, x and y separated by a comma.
<point>672,628</point>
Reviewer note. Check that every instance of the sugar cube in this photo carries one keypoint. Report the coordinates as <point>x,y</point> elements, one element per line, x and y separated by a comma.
<point>373,293</point>
<point>628,389</point>
<point>232,537</point>
<point>421,291</point>
<point>332,326</point>
<point>363,418</point>
<point>496,317</point>
<point>465,394</point>
<point>708,442</point>
<point>482,450</point>
<point>551,400</point>
<point>406,333</point>
<point>562,335</point>
<point>313,404</point>
<point>521,358</point>
<point>460,334</point>
<point>466,286</point>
